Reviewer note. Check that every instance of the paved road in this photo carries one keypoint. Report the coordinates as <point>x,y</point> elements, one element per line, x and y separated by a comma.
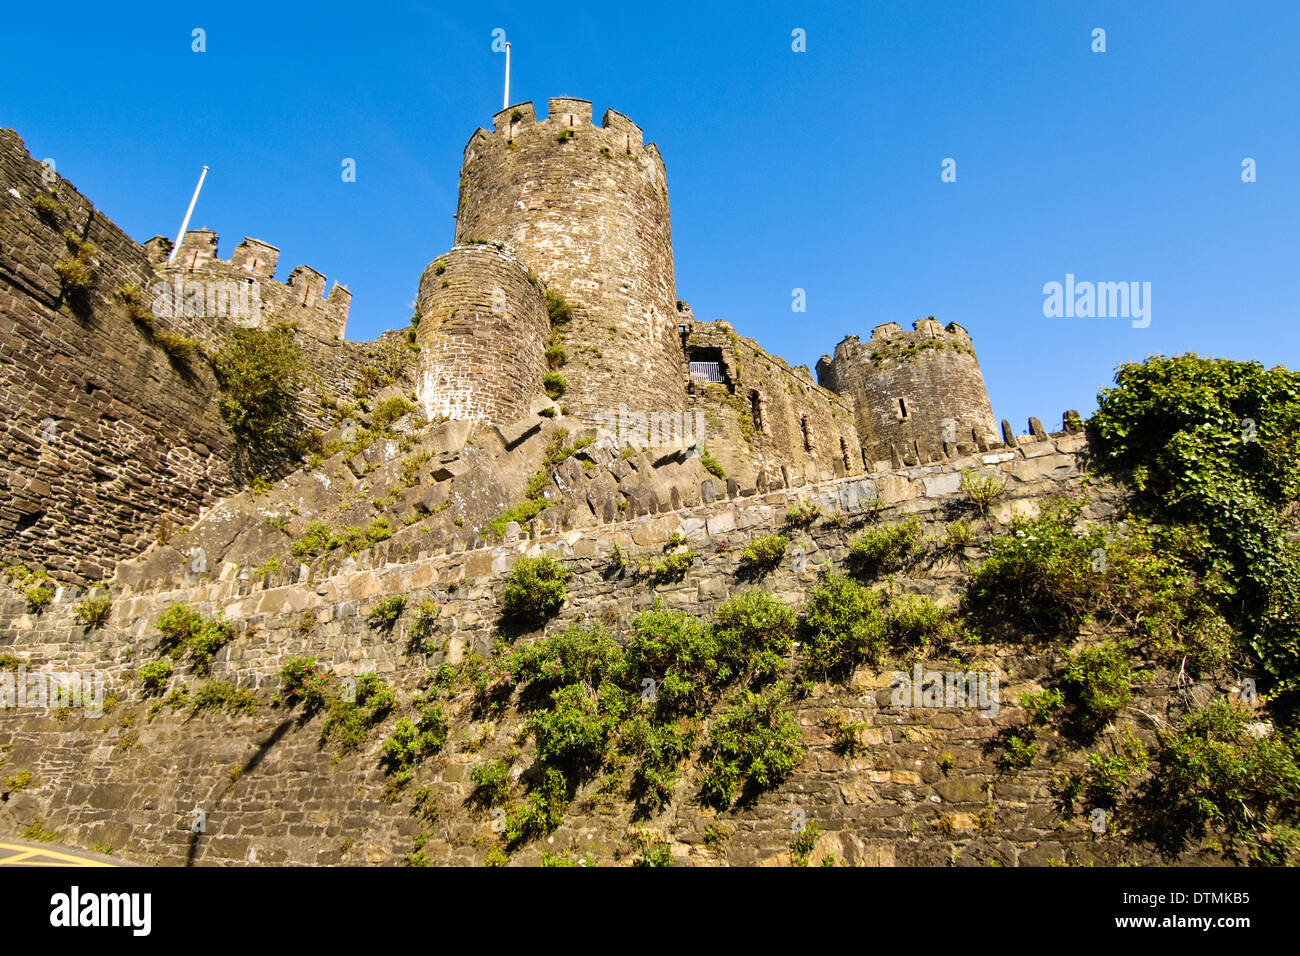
<point>22,853</point>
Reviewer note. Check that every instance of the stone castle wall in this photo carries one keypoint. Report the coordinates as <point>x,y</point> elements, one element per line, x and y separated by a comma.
<point>913,391</point>
<point>273,793</point>
<point>300,299</point>
<point>103,432</point>
<point>926,790</point>
<point>766,418</point>
<point>107,434</point>
<point>482,333</point>
<point>586,207</point>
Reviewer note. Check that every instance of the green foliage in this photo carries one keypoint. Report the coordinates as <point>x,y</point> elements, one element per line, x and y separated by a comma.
<point>753,745</point>
<point>38,597</point>
<point>48,207</point>
<point>882,550</point>
<point>765,552</point>
<point>846,735</point>
<point>804,513</point>
<point>16,783</point>
<point>385,613</point>
<point>426,619</point>
<point>843,626</point>
<point>673,567</point>
<point>1020,752</point>
<point>618,558</point>
<point>915,621</point>
<point>559,311</point>
<point>303,681</point>
<point>577,655</point>
<point>77,272</point>
<point>712,466</point>
<point>755,633</point>
<point>535,589</point>
<point>682,654</point>
<point>261,372</point>
<point>1216,444</point>
<point>133,299</point>
<point>803,842</point>
<point>554,384</point>
<point>389,411</point>
<point>349,722</point>
<point>412,741</point>
<point>540,812</point>
<point>1040,574</point>
<point>571,733</point>
<point>491,783</point>
<point>660,854</point>
<point>982,490</point>
<point>1215,774</point>
<point>1042,706</point>
<point>223,695</point>
<point>1098,680</point>
<point>154,675</point>
<point>185,629</point>
<point>957,535</point>
<point>556,356</point>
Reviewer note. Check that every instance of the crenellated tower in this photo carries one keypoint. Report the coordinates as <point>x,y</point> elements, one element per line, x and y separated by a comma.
<point>585,207</point>
<point>917,395</point>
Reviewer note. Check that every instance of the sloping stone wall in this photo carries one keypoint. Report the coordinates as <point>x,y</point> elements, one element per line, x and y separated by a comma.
<point>926,790</point>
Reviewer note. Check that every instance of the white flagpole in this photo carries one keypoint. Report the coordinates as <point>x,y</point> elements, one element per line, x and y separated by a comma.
<point>189,212</point>
<point>507,96</point>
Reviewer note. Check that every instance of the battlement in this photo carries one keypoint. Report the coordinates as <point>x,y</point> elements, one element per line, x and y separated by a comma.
<point>301,298</point>
<point>616,132</point>
<point>929,327</point>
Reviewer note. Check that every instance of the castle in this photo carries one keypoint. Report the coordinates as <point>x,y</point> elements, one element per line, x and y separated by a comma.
<point>584,208</point>
<point>570,408</point>
<point>559,286</point>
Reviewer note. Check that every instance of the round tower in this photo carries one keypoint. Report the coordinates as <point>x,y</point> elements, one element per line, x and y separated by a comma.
<point>913,392</point>
<point>482,335</point>
<point>585,207</point>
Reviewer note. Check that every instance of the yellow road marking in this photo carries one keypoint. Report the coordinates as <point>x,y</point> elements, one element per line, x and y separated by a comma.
<point>26,856</point>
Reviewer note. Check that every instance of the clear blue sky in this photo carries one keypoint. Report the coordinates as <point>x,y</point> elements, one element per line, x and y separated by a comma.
<point>818,170</point>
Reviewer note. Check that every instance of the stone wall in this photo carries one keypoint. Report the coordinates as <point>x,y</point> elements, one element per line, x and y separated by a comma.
<point>586,208</point>
<point>108,434</point>
<point>926,790</point>
<point>197,289</point>
<point>482,333</point>
<point>767,423</point>
<point>104,432</point>
<point>913,392</point>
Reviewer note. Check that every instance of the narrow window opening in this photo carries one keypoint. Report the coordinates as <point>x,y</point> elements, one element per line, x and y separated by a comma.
<point>756,409</point>
<point>902,408</point>
<point>844,453</point>
<point>807,436</point>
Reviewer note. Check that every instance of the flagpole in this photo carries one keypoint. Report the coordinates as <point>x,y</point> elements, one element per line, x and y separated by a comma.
<point>189,212</point>
<point>505,104</point>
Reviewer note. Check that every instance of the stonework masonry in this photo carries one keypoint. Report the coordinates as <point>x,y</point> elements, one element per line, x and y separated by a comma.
<point>766,416</point>
<point>482,333</point>
<point>914,392</point>
<point>103,432</point>
<point>274,793</point>
<point>585,207</point>
<point>248,275</point>
<point>108,435</point>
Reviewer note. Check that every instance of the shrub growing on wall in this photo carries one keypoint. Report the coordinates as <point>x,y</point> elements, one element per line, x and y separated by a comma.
<point>261,372</point>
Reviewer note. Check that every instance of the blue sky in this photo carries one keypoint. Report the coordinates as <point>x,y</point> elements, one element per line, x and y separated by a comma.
<point>817,170</point>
